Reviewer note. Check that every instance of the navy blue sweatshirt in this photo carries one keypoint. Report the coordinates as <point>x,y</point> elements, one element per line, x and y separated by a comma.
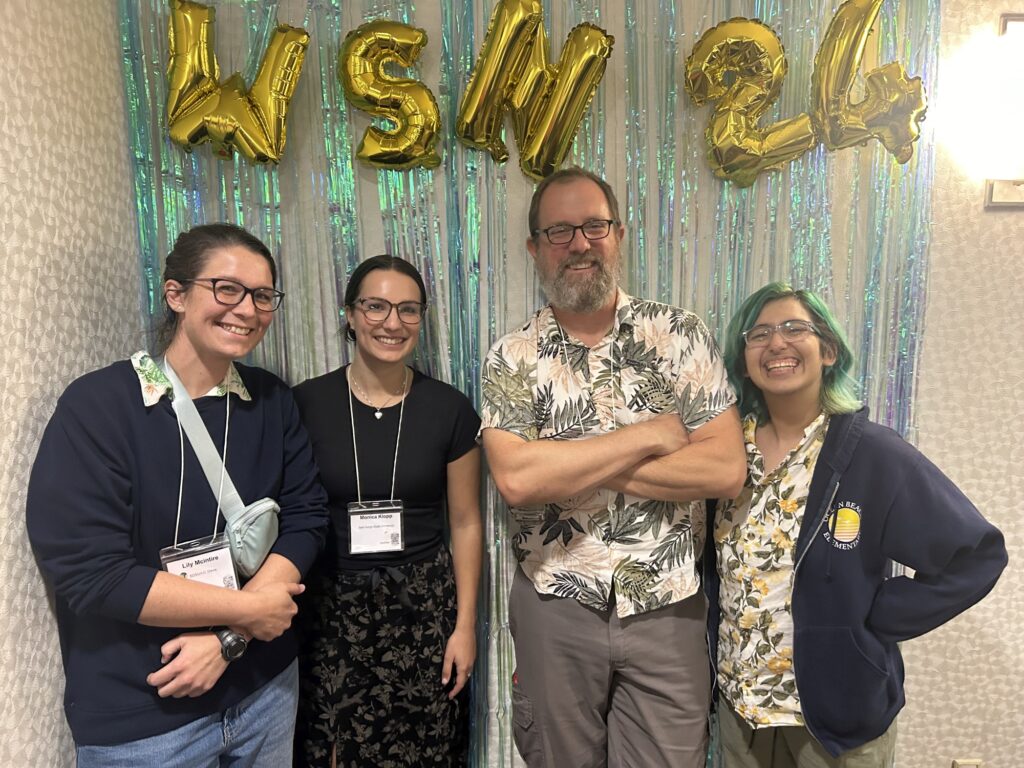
<point>102,502</point>
<point>848,613</point>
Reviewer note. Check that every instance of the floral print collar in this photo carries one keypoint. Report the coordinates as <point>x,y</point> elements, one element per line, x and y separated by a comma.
<point>755,461</point>
<point>155,384</point>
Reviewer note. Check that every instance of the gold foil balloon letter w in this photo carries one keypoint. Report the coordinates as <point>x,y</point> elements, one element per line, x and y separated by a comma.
<point>201,108</point>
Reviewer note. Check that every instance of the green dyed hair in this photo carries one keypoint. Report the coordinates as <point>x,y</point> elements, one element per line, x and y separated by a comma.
<point>838,387</point>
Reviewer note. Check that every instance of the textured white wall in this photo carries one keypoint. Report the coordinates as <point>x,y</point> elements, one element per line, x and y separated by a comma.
<point>964,681</point>
<point>69,302</point>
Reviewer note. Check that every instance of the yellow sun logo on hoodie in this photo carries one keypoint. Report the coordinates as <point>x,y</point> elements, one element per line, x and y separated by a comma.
<point>843,529</point>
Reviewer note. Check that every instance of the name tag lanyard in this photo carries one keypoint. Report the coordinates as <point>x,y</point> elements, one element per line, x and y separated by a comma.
<point>207,559</point>
<point>179,390</point>
<point>375,526</point>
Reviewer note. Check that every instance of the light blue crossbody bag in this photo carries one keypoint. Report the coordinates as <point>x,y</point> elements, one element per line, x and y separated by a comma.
<point>252,530</point>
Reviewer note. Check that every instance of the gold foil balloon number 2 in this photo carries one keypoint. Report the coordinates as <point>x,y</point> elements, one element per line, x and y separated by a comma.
<point>740,65</point>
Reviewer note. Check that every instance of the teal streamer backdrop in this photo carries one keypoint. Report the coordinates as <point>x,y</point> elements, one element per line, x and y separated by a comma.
<point>852,225</point>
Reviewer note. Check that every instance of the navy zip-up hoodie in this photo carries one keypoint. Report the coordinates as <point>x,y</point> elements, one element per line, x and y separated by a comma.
<point>102,502</point>
<point>874,499</point>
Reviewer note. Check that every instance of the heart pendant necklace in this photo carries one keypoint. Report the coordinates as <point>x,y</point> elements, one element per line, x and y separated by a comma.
<point>378,409</point>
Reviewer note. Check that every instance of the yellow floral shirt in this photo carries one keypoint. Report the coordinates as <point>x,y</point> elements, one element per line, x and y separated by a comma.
<point>755,536</point>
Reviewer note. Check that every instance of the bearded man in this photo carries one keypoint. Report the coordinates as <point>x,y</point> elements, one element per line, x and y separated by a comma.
<point>607,420</point>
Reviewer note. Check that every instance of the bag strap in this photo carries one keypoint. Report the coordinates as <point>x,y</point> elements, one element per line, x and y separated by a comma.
<point>230,502</point>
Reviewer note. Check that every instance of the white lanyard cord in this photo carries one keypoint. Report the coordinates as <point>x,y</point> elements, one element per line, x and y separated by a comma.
<point>181,477</point>
<point>398,437</point>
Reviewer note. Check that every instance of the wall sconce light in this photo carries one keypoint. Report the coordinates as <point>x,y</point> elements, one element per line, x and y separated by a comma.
<point>1008,193</point>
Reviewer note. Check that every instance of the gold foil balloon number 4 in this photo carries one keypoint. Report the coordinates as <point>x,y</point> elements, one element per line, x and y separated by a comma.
<point>200,108</point>
<point>894,106</point>
<point>740,65</point>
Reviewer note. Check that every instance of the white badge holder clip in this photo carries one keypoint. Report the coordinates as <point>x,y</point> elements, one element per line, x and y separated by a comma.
<point>375,526</point>
<point>207,560</point>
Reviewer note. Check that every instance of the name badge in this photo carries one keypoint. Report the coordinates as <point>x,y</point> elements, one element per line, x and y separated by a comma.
<point>207,560</point>
<point>375,526</point>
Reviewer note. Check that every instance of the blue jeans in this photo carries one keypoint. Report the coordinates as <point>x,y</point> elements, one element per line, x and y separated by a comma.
<point>255,733</point>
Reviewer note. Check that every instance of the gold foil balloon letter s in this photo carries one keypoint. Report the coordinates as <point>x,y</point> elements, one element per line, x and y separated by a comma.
<point>894,105</point>
<point>740,65</point>
<point>200,108</point>
<point>512,74</point>
<point>407,103</point>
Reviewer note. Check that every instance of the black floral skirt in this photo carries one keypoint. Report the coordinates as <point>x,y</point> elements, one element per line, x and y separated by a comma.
<point>370,670</point>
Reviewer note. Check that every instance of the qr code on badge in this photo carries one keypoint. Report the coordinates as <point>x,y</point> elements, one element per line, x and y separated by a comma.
<point>229,582</point>
<point>396,539</point>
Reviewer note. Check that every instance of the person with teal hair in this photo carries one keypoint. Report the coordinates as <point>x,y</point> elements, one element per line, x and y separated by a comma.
<point>838,392</point>
<point>805,612</point>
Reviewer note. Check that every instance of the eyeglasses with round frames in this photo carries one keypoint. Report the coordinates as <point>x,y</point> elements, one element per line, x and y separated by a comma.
<point>231,293</point>
<point>378,310</point>
<point>562,234</point>
<point>790,330</point>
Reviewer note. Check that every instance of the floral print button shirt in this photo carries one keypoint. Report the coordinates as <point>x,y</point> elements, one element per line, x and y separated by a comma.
<point>155,384</point>
<point>542,384</point>
<point>755,535</point>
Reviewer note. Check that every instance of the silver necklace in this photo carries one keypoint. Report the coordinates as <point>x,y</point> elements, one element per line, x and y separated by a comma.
<point>377,414</point>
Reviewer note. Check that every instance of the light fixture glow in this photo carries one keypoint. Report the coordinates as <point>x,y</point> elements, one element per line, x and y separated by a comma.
<point>980,105</point>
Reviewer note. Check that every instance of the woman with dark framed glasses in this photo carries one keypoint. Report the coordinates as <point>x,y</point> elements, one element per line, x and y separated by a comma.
<point>803,610</point>
<point>170,658</point>
<point>390,619</point>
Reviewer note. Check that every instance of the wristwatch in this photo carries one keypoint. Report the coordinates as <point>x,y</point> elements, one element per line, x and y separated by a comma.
<point>232,644</point>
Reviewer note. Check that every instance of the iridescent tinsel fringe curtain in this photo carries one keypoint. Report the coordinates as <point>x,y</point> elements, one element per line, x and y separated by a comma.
<point>852,225</point>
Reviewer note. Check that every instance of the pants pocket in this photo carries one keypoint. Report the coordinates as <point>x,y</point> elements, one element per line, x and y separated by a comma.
<point>526,732</point>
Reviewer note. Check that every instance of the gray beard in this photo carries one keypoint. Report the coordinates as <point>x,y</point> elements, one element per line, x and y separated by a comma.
<point>587,295</point>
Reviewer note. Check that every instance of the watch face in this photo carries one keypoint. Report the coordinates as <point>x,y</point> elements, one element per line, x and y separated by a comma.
<point>232,645</point>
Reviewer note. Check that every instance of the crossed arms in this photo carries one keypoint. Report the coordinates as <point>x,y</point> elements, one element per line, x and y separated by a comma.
<point>656,459</point>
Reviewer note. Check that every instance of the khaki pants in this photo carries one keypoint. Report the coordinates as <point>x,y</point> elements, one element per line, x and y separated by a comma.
<point>793,746</point>
<point>591,690</point>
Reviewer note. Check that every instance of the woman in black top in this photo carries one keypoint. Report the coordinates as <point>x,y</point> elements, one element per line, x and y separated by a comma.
<point>390,620</point>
